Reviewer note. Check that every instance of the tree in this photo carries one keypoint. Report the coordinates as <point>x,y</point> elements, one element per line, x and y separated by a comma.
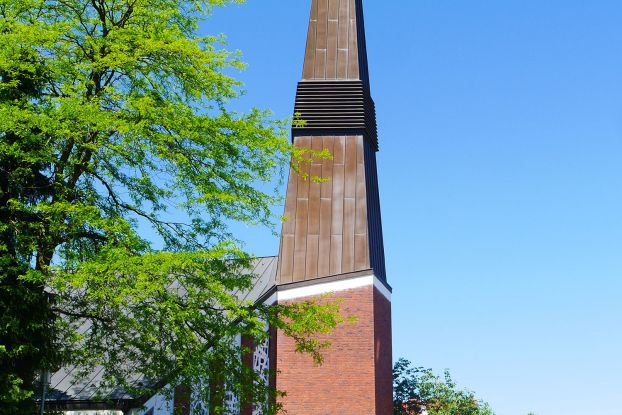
<point>419,391</point>
<point>114,118</point>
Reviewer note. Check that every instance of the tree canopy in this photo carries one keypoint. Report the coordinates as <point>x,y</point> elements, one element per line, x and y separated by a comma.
<point>419,391</point>
<point>114,120</point>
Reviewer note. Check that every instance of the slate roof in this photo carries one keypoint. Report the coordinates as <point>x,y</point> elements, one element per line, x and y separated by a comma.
<point>66,388</point>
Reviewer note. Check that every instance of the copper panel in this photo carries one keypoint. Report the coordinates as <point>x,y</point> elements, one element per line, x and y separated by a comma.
<point>327,168</point>
<point>322,21</point>
<point>342,64</point>
<point>320,64</point>
<point>314,201</point>
<point>312,256</point>
<point>337,202</point>
<point>317,144</point>
<point>348,235</point>
<point>360,150</point>
<point>361,252</point>
<point>331,46</point>
<point>308,67</point>
<point>302,217</point>
<point>339,148</point>
<point>331,50</point>
<point>303,183</point>
<point>300,241</point>
<point>321,38</point>
<point>350,166</point>
<point>344,23</point>
<point>290,204</point>
<point>361,225</point>
<point>314,12</point>
<point>333,9</point>
<point>336,242</point>
<point>353,58</point>
<point>325,236</point>
<point>343,40</point>
<point>331,220</point>
<point>286,260</point>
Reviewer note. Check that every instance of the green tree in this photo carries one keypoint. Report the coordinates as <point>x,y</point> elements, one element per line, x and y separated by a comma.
<point>417,390</point>
<point>114,119</point>
<point>25,318</point>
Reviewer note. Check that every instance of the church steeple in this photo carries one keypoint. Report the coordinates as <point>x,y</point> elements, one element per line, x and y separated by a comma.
<point>334,228</point>
<point>332,238</point>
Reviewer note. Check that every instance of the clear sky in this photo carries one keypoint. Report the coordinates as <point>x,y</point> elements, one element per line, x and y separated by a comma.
<point>501,184</point>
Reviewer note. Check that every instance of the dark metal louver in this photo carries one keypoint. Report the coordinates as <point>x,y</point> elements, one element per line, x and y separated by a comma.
<point>343,107</point>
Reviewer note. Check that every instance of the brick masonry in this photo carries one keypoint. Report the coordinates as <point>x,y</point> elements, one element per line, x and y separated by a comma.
<point>383,354</point>
<point>355,378</point>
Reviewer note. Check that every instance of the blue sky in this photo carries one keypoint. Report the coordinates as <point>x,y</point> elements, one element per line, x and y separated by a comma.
<point>501,184</point>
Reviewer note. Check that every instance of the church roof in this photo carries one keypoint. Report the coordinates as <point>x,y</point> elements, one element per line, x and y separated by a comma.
<point>68,389</point>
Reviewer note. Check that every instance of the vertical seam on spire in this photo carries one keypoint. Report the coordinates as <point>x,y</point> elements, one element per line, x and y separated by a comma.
<point>348,48</point>
<point>314,4</point>
<point>330,230</point>
<point>304,277</point>
<point>335,6</point>
<point>326,35</point>
<point>339,39</point>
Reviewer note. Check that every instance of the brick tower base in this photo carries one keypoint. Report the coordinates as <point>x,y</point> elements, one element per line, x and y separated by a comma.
<point>356,376</point>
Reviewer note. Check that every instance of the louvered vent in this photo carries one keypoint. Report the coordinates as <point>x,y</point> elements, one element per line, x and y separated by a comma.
<point>337,107</point>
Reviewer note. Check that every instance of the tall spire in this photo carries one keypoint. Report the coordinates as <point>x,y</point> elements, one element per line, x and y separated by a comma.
<point>332,238</point>
<point>334,228</point>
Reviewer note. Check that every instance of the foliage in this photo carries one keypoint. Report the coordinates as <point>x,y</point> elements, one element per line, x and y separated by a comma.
<point>417,391</point>
<point>115,133</point>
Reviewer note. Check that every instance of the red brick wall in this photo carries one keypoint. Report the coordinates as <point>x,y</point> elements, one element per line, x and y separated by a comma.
<point>247,360</point>
<point>383,354</point>
<point>347,382</point>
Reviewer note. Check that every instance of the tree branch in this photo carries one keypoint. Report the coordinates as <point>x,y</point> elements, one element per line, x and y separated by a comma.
<point>87,316</point>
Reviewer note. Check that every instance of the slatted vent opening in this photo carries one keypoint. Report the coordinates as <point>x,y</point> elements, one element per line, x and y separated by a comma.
<point>336,105</point>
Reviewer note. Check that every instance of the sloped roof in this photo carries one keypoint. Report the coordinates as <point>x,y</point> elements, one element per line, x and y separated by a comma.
<point>66,388</point>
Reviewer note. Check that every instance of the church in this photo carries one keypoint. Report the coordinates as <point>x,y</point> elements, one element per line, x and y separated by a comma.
<point>331,243</point>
